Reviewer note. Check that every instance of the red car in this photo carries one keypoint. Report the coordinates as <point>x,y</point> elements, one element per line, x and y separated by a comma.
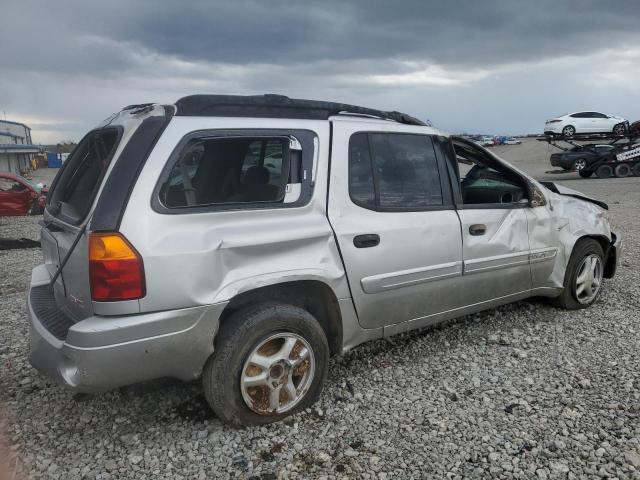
<point>18,196</point>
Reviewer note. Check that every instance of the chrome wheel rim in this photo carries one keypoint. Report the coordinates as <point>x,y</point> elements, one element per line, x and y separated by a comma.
<point>619,129</point>
<point>277,374</point>
<point>589,279</point>
<point>569,131</point>
<point>579,164</point>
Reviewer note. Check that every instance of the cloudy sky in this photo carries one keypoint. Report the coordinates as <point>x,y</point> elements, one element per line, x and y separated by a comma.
<point>491,66</point>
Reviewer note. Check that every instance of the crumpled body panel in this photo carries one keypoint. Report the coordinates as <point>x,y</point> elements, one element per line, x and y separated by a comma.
<point>560,224</point>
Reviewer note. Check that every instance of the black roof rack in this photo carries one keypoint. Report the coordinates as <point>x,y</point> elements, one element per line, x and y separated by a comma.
<point>277,106</point>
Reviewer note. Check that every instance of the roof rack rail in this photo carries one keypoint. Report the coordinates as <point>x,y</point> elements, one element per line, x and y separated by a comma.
<point>278,106</point>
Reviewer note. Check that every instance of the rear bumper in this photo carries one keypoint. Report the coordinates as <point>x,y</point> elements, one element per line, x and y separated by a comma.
<point>553,128</point>
<point>101,353</point>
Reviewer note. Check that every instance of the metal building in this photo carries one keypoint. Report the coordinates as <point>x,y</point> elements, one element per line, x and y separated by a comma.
<point>16,149</point>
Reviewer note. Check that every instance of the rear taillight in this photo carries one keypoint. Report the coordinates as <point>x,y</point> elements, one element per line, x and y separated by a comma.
<point>555,120</point>
<point>116,271</point>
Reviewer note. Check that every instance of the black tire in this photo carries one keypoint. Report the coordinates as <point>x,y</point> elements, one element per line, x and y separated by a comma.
<point>619,129</point>
<point>622,170</point>
<point>569,131</point>
<point>604,171</point>
<point>237,338</point>
<point>581,250</point>
<point>585,173</point>
<point>636,169</point>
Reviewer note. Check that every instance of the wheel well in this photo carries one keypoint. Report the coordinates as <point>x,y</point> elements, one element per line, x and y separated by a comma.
<point>315,297</point>
<point>609,261</point>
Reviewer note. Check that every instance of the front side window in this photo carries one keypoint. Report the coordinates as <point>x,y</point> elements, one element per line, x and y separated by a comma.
<point>394,171</point>
<point>228,170</point>
<point>484,181</point>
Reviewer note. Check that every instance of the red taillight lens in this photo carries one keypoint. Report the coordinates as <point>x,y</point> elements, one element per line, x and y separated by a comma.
<point>554,121</point>
<point>116,271</point>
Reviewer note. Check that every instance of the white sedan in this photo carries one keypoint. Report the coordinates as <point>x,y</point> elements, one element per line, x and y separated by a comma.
<point>585,122</point>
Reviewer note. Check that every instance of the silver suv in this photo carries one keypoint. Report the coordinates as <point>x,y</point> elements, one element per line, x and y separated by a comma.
<point>244,240</point>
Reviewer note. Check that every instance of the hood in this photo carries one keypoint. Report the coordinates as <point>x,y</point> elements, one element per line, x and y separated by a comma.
<point>562,190</point>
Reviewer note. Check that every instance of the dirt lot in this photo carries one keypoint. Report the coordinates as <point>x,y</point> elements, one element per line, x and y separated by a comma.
<point>523,391</point>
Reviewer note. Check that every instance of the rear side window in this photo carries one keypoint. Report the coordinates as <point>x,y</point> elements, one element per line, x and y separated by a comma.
<point>73,193</point>
<point>236,170</point>
<point>392,171</point>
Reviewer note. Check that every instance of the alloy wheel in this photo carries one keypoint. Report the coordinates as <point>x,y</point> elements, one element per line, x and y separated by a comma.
<point>277,374</point>
<point>579,164</point>
<point>619,129</point>
<point>589,279</point>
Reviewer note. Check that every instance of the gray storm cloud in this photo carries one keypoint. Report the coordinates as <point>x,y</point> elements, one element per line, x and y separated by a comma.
<point>493,66</point>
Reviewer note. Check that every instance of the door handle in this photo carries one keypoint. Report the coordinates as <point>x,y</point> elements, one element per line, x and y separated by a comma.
<point>477,229</point>
<point>367,240</point>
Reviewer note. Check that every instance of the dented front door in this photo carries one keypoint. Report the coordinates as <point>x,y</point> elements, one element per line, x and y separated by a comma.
<point>495,249</point>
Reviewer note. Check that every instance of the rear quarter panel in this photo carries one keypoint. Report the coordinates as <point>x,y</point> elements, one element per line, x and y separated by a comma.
<point>203,258</point>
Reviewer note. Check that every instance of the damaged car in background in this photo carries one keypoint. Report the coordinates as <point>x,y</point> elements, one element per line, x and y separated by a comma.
<point>19,196</point>
<point>244,240</point>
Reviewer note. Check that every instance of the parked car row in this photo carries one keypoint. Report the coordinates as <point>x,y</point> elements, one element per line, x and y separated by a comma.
<point>495,140</point>
<point>19,196</point>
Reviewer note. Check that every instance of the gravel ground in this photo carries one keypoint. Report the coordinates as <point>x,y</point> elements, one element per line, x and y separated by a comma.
<point>522,391</point>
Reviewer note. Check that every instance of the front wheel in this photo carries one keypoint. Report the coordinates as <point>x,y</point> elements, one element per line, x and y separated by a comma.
<point>583,277</point>
<point>270,360</point>
<point>620,129</point>
<point>579,164</point>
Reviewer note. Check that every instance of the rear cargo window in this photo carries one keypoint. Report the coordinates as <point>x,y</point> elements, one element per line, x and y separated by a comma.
<point>215,171</point>
<point>74,191</point>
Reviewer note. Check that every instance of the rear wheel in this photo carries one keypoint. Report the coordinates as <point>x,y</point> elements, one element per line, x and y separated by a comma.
<point>585,173</point>
<point>604,171</point>
<point>622,170</point>
<point>583,277</point>
<point>636,169</point>
<point>569,131</point>
<point>270,361</point>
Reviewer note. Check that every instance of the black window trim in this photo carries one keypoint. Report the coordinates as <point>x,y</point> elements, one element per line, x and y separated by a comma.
<point>304,137</point>
<point>447,199</point>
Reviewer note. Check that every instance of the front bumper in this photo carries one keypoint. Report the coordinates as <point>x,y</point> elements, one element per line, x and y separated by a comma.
<point>101,353</point>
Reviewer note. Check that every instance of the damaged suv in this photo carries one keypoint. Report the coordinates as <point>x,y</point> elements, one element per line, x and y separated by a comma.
<point>244,240</point>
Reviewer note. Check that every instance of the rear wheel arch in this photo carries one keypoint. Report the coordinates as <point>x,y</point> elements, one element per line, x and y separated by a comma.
<point>314,296</point>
